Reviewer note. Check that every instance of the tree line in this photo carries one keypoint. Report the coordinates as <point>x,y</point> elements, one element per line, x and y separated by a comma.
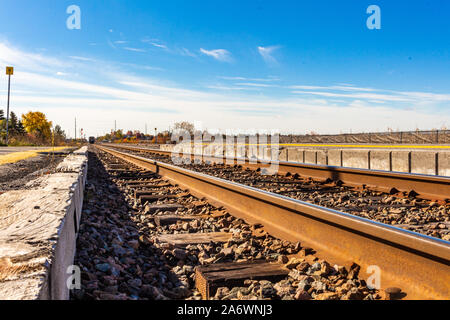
<point>32,129</point>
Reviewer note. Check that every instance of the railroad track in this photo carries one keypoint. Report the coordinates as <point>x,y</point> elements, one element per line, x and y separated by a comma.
<point>416,263</point>
<point>406,209</point>
<point>434,188</point>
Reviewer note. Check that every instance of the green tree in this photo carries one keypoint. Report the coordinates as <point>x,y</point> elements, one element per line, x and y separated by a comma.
<point>2,115</point>
<point>20,128</point>
<point>60,135</point>
<point>13,124</point>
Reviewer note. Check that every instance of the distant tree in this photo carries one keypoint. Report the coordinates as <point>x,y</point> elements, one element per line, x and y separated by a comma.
<point>2,115</point>
<point>20,128</point>
<point>13,124</point>
<point>189,127</point>
<point>59,134</point>
<point>36,123</point>
<point>118,134</point>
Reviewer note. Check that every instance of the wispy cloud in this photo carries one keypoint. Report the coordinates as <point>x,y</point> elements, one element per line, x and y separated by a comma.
<point>250,84</point>
<point>222,87</point>
<point>134,49</point>
<point>155,42</point>
<point>158,45</point>
<point>187,52</point>
<point>106,91</point>
<point>370,94</point>
<point>267,54</point>
<point>340,87</point>
<point>120,42</point>
<point>82,58</point>
<point>269,79</point>
<point>218,54</point>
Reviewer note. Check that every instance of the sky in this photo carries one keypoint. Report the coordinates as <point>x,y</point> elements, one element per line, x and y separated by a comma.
<point>293,66</point>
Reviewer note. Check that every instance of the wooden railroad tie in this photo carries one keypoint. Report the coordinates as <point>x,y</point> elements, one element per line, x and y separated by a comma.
<point>183,240</point>
<point>211,277</point>
<point>156,197</point>
<point>163,207</point>
<point>146,192</point>
<point>148,185</point>
<point>168,219</point>
<point>141,182</point>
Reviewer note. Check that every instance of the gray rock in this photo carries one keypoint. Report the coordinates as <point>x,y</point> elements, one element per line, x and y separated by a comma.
<point>103,267</point>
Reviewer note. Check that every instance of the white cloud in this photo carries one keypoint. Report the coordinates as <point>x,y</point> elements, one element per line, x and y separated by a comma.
<point>187,52</point>
<point>269,79</point>
<point>370,94</point>
<point>134,49</point>
<point>267,54</point>
<point>249,84</point>
<point>218,54</point>
<point>82,58</point>
<point>97,94</point>
<point>158,45</point>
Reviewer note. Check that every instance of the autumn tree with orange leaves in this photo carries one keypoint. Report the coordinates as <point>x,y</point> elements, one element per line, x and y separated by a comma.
<point>36,123</point>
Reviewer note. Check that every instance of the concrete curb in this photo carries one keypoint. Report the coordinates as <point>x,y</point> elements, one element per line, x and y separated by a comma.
<point>38,232</point>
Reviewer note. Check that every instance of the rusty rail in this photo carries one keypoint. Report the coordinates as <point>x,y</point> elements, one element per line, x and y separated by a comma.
<point>418,264</point>
<point>434,188</point>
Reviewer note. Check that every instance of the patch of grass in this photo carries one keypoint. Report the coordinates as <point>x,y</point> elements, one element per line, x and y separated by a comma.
<point>18,156</point>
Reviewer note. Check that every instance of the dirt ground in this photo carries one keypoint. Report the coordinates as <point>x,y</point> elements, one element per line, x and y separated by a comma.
<point>14,176</point>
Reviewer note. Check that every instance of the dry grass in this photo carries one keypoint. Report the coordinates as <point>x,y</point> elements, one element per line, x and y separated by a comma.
<point>18,156</point>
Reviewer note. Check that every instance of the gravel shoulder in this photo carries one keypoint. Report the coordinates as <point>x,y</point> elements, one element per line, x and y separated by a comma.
<point>14,176</point>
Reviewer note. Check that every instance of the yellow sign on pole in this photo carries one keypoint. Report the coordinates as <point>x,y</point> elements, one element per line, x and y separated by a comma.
<point>9,71</point>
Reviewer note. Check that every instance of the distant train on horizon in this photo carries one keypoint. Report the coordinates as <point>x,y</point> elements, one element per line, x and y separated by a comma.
<point>91,140</point>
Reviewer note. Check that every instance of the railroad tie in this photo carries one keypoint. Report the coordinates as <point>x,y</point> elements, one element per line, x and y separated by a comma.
<point>168,219</point>
<point>211,277</point>
<point>183,240</point>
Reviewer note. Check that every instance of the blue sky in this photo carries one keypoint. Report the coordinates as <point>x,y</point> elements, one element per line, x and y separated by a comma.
<point>295,66</point>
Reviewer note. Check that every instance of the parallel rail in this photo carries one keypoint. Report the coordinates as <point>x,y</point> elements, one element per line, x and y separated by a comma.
<point>436,188</point>
<point>418,264</point>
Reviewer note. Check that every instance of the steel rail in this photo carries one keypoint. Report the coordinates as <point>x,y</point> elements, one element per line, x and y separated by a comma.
<point>427,187</point>
<point>418,264</point>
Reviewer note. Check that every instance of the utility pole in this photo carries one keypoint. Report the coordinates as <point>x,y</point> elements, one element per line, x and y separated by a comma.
<point>145,129</point>
<point>9,72</point>
<point>115,126</point>
<point>156,137</point>
<point>75,129</point>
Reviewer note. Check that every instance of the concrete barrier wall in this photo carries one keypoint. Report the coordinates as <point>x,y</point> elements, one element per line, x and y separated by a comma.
<point>356,159</point>
<point>444,164</point>
<point>401,161</point>
<point>49,215</point>
<point>424,162</point>
<point>380,160</point>
<point>417,161</point>
<point>410,161</point>
<point>335,157</point>
<point>322,158</point>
